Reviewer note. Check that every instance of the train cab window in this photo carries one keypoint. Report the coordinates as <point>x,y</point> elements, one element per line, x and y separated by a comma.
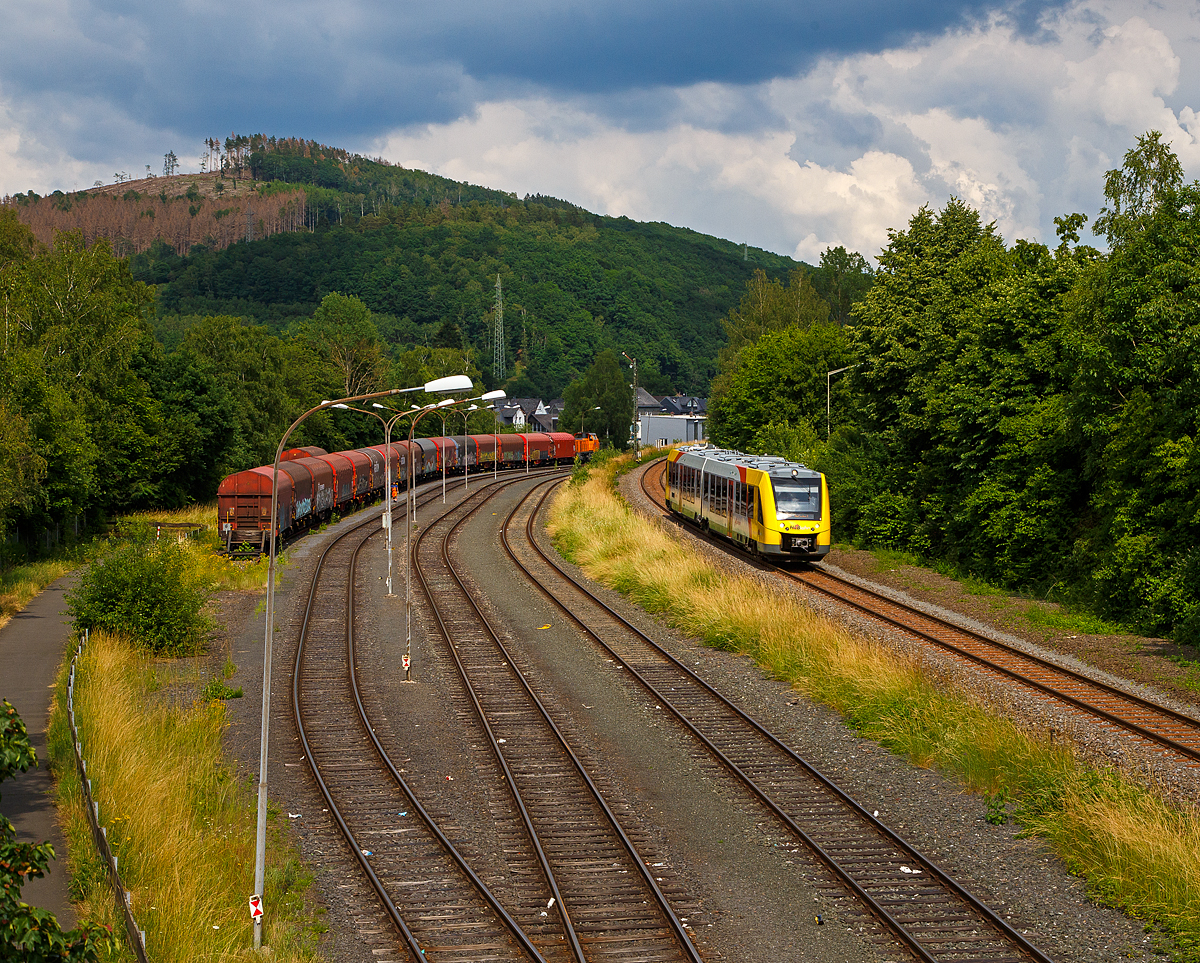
<point>797,497</point>
<point>758,505</point>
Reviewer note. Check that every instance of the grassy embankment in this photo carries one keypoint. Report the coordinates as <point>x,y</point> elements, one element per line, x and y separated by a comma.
<point>180,822</point>
<point>20,583</point>
<point>1135,850</point>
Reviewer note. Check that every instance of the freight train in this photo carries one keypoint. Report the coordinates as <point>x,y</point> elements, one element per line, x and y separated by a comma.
<point>767,505</point>
<point>313,483</point>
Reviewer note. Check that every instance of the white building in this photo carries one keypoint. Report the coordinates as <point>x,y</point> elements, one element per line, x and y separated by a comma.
<point>661,430</point>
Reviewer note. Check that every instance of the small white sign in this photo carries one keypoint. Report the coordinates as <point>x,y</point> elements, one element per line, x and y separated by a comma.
<point>256,907</point>
<point>406,661</point>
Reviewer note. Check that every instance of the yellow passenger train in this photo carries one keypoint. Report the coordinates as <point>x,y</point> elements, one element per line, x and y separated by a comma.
<point>768,505</point>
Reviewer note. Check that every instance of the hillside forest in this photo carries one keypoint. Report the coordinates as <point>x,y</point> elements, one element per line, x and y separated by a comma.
<point>1027,414</point>
<point>131,380</point>
<point>1021,412</point>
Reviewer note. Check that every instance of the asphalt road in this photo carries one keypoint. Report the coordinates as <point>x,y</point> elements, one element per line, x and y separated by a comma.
<point>31,648</point>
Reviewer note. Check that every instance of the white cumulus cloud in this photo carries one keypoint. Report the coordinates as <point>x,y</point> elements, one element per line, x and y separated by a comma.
<point>1020,126</point>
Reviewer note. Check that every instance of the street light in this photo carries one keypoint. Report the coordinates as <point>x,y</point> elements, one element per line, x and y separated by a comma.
<point>637,437</point>
<point>828,376</point>
<point>581,414</point>
<point>428,409</point>
<point>387,474</point>
<point>495,395</point>
<point>387,460</point>
<point>441,386</point>
<point>486,396</point>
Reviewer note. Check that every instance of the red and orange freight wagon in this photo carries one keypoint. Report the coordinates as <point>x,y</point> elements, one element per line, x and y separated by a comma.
<point>313,483</point>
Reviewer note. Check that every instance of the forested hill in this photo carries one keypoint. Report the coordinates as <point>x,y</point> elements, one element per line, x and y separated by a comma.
<point>573,283</point>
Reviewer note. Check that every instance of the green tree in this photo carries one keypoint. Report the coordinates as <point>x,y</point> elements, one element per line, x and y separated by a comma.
<point>343,333</point>
<point>268,380</point>
<point>778,378</point>
<point>962,396</point>
<point>842,279</point>
<point>766,306</point>
<point>1150,175</point>
<point>1135,345</point>
<point>26,933</point>
<point>22,469</point>
<point>604,386</point>
<point>76,323</point>
<point>146,588</point>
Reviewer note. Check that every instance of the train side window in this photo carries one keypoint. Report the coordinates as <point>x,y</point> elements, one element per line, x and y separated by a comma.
<point>758,505</point>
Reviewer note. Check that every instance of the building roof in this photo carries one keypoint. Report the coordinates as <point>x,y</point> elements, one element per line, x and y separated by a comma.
<point>530,406</point>
<point>646,401</point>
<point>684,405</point>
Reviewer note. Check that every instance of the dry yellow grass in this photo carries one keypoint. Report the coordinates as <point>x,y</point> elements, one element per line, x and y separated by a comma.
<point>216,571</point>
<point>19,584</point>
<point>1136,850</point>
<point>180,824</point>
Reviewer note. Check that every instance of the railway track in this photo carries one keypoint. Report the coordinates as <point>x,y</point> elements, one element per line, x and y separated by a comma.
<point>439,907</point>
<point>602,889</point>
<point>1161,727</point>
<point>917,904</point>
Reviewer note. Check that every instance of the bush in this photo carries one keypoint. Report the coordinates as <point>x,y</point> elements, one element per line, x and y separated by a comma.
<point>146,589</point>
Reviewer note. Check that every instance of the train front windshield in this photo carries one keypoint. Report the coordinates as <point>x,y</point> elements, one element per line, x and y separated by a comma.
<point>797,497</point>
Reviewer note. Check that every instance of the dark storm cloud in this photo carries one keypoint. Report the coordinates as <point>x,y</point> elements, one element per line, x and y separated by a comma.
<point>352,69</point>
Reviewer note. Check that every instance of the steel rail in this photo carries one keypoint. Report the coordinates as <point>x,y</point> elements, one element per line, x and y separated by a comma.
<point>877,601</point>
<point>648,878</point>
<point>894,926</point>
<point>389,905</point>
<point>1013,652</point>
<point>501,760</point>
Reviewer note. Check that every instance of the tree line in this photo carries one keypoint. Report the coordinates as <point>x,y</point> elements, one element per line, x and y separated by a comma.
<point>574,284</point>
<point>134,221</point>
<point>97,417</point>
<point>1027,413</point>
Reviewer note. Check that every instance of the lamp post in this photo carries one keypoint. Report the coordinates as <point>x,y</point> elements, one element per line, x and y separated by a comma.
<point>466,467</point>
<point>583,412</point>
<point>828,376</point>
<point>441,385</point>
<point>495,395</point>
<point>387,460</point>
<point>428,409</point>
<point>637,437</point>
<point>387,475</point>
<point>496,460</point>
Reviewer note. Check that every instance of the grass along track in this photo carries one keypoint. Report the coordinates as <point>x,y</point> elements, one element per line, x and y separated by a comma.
<point>917,903</point>
<point>1136,850</point>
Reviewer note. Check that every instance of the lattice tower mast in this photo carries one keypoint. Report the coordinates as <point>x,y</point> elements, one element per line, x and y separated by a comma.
<point>499,365</point>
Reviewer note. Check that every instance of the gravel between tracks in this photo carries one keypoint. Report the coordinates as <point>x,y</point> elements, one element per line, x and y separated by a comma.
<point>723,857</point>
<point>946,821</point>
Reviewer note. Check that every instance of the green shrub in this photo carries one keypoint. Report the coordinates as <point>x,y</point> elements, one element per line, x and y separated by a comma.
<point>27,933</point>
<point>145,589</point>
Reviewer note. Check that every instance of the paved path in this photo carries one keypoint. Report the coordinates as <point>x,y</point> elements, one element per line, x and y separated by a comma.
<point>31,647</point>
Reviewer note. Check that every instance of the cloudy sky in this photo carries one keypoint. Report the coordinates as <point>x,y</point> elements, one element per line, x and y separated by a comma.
<point>792,125</point>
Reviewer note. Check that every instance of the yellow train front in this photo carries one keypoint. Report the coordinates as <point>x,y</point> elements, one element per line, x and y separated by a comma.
<point>768,505</point>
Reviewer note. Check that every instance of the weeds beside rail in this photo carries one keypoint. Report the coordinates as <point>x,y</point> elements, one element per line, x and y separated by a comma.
<point>177,818</point>
<point>1136,851</point>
